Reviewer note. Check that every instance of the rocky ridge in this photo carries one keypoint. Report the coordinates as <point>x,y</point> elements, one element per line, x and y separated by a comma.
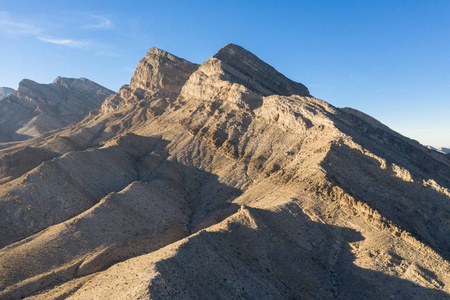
<point>224,180</point>
<point>37,108</point>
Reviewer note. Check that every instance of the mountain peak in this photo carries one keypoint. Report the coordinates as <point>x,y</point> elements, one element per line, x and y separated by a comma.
<point>59,78</point>
<point>231,49</point>
<point>161,72</point>
<point>27,83</point>
<point>63,81</point>
<point>158,51</point>
<point>247,69</point>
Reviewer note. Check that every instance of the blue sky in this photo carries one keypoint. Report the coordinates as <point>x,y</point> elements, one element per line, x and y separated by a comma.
<point>389,59</point>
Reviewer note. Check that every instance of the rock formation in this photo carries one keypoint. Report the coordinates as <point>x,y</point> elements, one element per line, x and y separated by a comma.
<point>5,91</point>
<point>224,180</point>
<point>37,108</point>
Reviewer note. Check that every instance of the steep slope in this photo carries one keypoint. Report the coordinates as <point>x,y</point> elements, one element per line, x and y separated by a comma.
<point>5,91</point>
<point>37,108</point>
<point>230,181</point>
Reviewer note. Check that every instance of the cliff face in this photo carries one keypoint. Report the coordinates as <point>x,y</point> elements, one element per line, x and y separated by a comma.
<point>37,108</point>
<point>241,66</point>
<point>225,180</point>
<point>159,76</point>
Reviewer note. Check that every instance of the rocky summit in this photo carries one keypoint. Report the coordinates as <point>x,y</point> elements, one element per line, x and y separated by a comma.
<point>224,180</point>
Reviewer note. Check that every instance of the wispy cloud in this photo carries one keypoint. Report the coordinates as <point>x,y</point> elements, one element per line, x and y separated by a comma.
<point>98,22</point>
<point>12,28</point>
<point>65,42</point>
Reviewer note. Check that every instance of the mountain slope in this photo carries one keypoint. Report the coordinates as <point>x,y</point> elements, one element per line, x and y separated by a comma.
<point>5,91</point>
<point>225,180</point>
<point>37,108</point>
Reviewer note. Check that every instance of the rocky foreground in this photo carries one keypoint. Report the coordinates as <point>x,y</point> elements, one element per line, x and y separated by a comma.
<point>224,180</point>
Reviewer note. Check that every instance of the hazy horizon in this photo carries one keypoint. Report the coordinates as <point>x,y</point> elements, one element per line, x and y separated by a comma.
<point>386,59</point>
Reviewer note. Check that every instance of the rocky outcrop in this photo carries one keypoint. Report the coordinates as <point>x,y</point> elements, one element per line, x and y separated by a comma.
<point>159,76</point>
<point>161,73</point>
<point>37,108</point>
<point>225,181</point>
<point>5,91</point>
<point>243,67</point>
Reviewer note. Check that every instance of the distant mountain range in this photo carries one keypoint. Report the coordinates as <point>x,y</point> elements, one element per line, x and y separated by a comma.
<point>441,149</point>
<point>224,180</point>
<point>37,108</point>
<point>5,91</point>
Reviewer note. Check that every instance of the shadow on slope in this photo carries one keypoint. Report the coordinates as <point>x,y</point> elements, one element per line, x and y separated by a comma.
<point>17,159</point>
<point>164,203</point>
<point>16,163</point>
<point>421,210</point>
<point>260,254</point>
<point>388,144</point>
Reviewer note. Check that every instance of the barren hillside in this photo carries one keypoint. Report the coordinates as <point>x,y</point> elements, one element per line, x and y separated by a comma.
<point>224,180</point>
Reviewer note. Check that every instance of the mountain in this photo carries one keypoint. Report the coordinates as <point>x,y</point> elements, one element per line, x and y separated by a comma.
<point>37,108</point>
<point>440,149</point>
<point>5,91</point>
<point>444,150</point>
<point>222,180</point>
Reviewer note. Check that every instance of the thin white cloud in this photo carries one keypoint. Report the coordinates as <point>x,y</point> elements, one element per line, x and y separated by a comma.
<point>65,42</point>
<point>12,28</point>
<point>98,22</point>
